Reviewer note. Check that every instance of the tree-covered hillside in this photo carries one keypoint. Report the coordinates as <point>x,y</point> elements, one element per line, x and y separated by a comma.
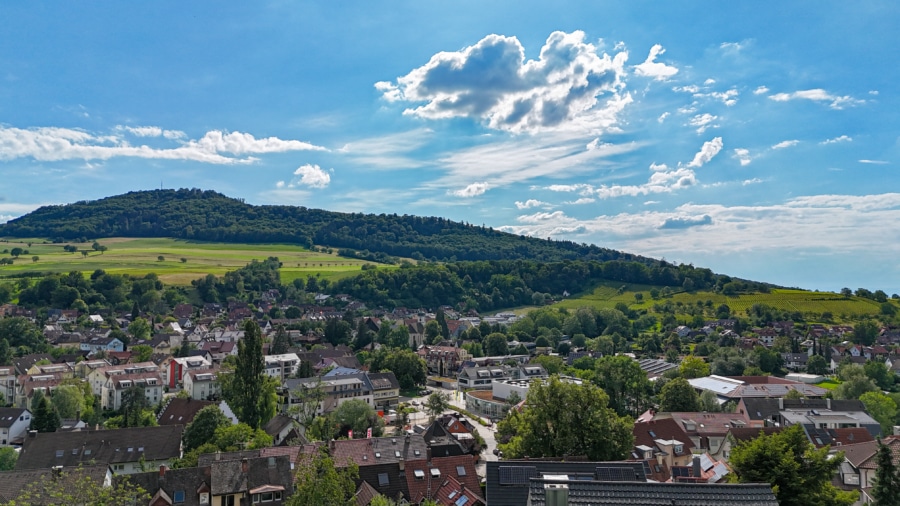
<point>210,216</point>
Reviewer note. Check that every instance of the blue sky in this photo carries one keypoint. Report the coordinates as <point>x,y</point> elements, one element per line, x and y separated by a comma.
<point>759,139</point>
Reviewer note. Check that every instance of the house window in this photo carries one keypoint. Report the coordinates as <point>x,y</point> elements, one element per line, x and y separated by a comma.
<point>204,498</point>
<point>266,497</point>
<point>460,470</point>
<point>178,496</point>
<point>420,474</point>
<point>679,448</point>
<point>383,480</point>
<point>229,501</point>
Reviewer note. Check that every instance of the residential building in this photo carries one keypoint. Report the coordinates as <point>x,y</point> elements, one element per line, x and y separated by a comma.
<point>508,482</point>
<point>265,481</point>
<point>282,367</point>
<point>97,344</point>
<point>126,451</point>
<point>337,390</point>
<point>177,367</point>
<point>202,384</point>
<point>14,423</point>
<point>386,390</point>
<point>179,411</point>
<point>115,387</point>
<point>857,472</point>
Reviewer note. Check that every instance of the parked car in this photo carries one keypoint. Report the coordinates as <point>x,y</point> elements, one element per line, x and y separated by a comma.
<point>425,392</point>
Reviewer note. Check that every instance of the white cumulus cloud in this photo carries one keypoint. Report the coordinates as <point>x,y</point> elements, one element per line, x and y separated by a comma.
<point>703,122</point>
<point>707,152</point>
<point>312,176</point>
<point>473,190</point>
<point>491,81</point>
<point>762,90</point>
<point>842,138</point>
<point>743,156</point>
<point>654,69</point>
<point>529,204</point>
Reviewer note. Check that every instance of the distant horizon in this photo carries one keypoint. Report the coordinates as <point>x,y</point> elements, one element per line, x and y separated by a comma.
<point>759,140</point>
<point>457,221</point>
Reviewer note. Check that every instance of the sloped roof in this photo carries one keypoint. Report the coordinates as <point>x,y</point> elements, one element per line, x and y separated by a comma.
<point>228,476</point>
<point>657,494</point>
<point>181,411</point>
<point>190,480</point>
<point>69,449</point>
<point>12,483</point>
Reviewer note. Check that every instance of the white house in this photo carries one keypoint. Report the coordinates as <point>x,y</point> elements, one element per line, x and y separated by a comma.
<point>203,384</point>
<point>14,423</point>
<point>282,366</point>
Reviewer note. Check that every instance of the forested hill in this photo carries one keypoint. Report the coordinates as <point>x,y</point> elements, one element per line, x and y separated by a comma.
<point>210,216</point>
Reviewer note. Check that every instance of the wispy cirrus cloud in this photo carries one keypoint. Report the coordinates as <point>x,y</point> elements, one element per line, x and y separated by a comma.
<point>819,95</point>
<point>800,223</point>
<point>786,144</point>
<point>492,82</point>
<point>52,144</point>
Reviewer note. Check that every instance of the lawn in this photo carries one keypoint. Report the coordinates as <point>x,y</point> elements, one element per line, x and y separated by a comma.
<point>610,293</point>
<point>829,384</point>
<point>175,261</point>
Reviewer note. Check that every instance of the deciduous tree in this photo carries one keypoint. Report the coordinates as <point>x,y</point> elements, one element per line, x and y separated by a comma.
<point>800,473</point>
<point>678,395</point>
<point>562,419</point>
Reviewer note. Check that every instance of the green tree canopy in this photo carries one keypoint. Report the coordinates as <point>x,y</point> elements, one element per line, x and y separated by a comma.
<point>799,473</point>
<point>76,486</point>
<point>495,344</point>
<point>693,367</point>
<point>566,419</point>
<point>625,383</point>
<point>882,408</point>
<point>356,415</point>
<point>816,364</point>
<point>320,481</point>
<point>678,395</point>
<point>246,388</point>
<point>203,427</point>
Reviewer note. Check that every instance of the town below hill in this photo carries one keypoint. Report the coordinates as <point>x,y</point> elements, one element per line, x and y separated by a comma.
<point>265,384</point>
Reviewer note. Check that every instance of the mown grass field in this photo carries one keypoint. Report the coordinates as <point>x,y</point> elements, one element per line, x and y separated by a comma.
<point>609,294</point>
<point>141,256</point>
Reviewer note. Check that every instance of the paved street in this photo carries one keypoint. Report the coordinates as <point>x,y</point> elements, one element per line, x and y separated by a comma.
<point>456,399</point>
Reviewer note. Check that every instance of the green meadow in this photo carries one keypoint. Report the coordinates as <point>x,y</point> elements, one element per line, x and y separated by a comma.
<point>608,294</point>
<point>182,261</point>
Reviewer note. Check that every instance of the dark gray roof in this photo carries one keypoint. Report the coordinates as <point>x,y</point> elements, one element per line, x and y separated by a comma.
<point>383,380</point>
<point>508,481</point>
<point>597,493</point>
<point>228,477</point>
<point>12,483</point>
<point>9,416</point>
<point>181,411</point>
<point>190,481</point>
<point>45,450</point>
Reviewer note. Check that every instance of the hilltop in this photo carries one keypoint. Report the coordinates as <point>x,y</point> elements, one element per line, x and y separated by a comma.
<point>194,214</point>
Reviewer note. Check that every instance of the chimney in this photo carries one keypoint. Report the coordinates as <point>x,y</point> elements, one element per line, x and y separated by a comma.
<point>32,433</point>
<point>428,454</point>
<point>697,472</point>
<point>245,465</point>
<point>218,455</point>
<point>828,402</point>
<point>77,416</point>
<point>162,471</point>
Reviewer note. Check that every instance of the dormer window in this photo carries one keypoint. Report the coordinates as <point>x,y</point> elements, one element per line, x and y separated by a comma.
<point>679,448</point>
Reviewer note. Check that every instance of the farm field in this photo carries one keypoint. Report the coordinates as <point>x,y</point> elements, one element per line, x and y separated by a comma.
<point>608,294</point>
<point>183,261</point>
